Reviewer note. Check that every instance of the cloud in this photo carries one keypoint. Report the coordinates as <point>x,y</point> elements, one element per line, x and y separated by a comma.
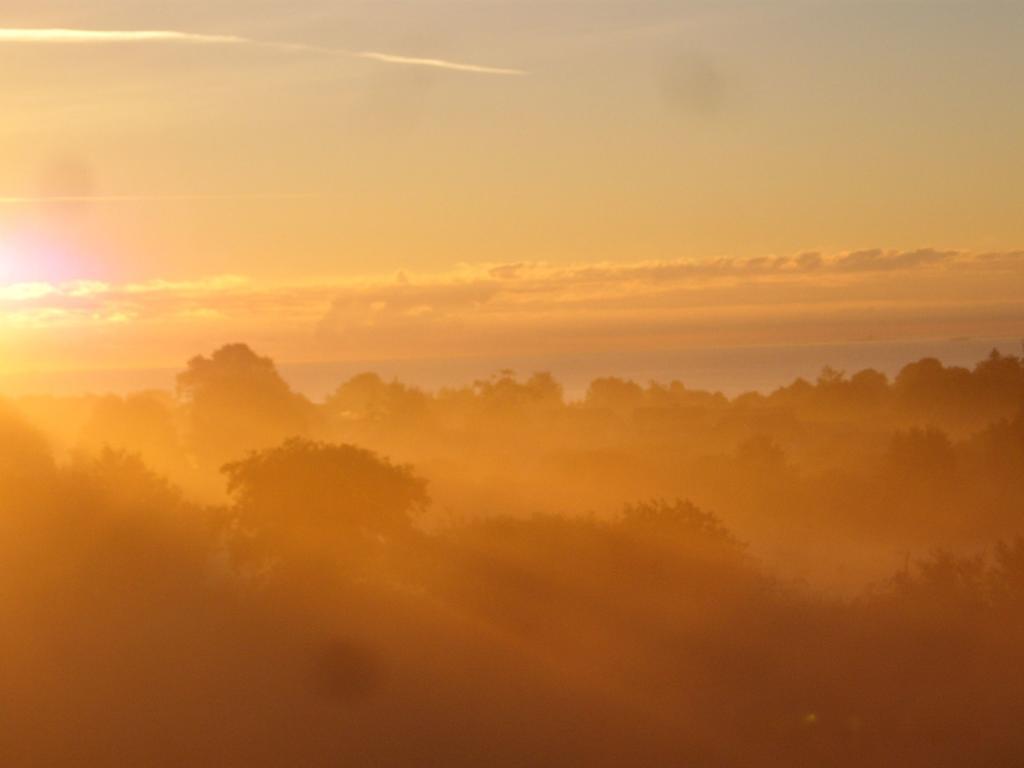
<point>111,36</point>
<point>534,308</point>
<point>33,199</point>
<point>878,260</point>
<point>389,58</point>
<point>106,37</point>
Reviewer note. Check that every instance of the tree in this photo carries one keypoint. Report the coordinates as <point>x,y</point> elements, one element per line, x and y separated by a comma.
<point>237,402</point>
<point>614,394</point>
<point>922,455</point>
<point>306,495</point>
<point>367,397</point>
<point>927,389</point>
<point>682,524</point>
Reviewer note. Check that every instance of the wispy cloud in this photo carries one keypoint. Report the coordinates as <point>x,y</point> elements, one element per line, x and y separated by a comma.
<point>91,199</point>
<point>106,37</point>
<point>110,36</point>
<point>526,306</point>
<point>389,58</point>
<point>536,308</point>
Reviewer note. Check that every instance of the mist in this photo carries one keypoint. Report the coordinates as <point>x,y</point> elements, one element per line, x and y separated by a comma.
<point>232,573</point>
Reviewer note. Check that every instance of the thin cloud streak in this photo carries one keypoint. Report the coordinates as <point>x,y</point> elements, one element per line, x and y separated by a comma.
<point>105,37</point>
<point>148,198</point>
<point>111,36</point>
<point>389,58</point>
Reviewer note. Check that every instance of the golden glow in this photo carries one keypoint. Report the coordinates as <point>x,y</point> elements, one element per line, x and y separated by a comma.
<point>575,383</point>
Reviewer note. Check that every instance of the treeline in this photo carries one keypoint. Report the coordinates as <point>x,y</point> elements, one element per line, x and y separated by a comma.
<point>835,480</point>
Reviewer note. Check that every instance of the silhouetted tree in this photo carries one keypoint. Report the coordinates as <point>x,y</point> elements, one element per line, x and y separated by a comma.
<point>616,395</point>
<point>238,402</point>
<point>306,495</point>
<point>367,397</point>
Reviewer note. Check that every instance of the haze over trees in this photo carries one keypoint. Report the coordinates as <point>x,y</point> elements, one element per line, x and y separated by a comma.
<point>828,574</point>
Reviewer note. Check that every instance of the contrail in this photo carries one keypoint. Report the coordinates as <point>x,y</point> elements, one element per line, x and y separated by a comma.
<point>438,63</point>
<point>97,36</point>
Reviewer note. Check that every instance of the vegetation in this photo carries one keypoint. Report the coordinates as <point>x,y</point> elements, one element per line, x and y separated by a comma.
<point>830,574</point>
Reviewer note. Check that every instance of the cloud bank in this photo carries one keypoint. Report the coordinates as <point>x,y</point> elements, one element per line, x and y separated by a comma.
<point>533,308</point>
<point>106,37</point>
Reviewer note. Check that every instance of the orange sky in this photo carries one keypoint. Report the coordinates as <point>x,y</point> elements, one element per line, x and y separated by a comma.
<point>347,180</point>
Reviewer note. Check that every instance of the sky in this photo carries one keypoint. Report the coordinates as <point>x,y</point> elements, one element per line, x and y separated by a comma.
<point>338,180</point>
